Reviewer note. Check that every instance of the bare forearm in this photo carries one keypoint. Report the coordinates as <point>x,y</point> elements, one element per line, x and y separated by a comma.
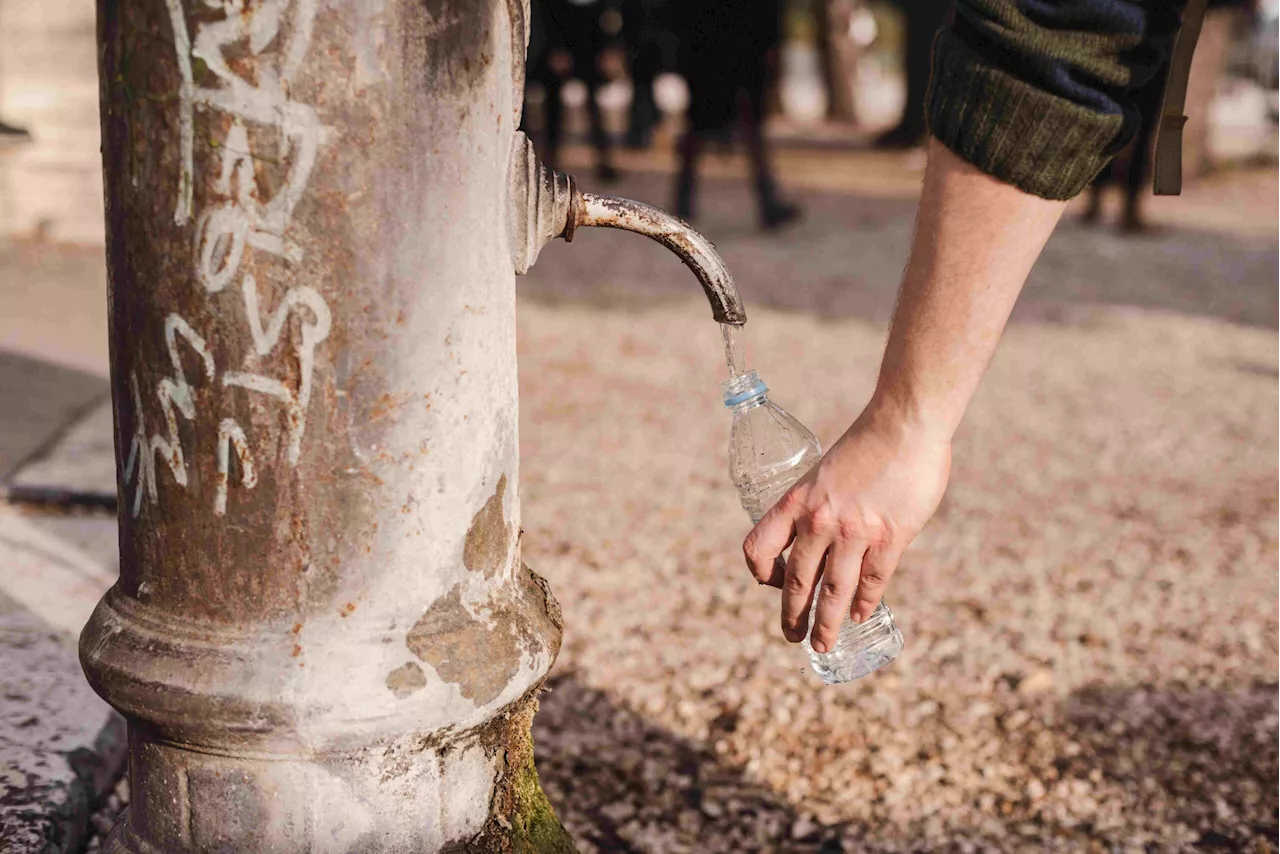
<point>976,239</point>
<point>850,518</point>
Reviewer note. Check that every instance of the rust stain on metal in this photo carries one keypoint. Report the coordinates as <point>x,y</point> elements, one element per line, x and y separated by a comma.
<point>489,537</point>
<point>453,41</point>
<point>387,404</point>
<point>406,679</point>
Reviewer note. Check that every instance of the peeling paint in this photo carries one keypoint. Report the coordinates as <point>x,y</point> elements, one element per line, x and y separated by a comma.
<point>406,679</point>
<point>489,537</point>
<point>480,657</point>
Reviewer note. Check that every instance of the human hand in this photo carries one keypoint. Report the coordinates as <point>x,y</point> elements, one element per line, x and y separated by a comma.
<point>852,516</point>
<point>848,520</point>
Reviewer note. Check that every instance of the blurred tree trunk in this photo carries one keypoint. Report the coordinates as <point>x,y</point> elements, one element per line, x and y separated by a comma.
<point>839,56</point>
<point>1207,67</point>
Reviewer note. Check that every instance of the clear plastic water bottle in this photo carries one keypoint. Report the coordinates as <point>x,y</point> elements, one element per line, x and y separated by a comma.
<point>769,450</point>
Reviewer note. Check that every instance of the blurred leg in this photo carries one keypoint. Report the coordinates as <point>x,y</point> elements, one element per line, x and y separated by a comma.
<point>640,34</point>
<point>706,113</point>
<point>644,111</point>
<point>757,153</point>
<point>1147,100</point>
<point>1135,184</point>
<point>773,211</point>
<point>1093,210</point>
<point>687,177</point>
<point>599,138</point>
<point>923,20</point>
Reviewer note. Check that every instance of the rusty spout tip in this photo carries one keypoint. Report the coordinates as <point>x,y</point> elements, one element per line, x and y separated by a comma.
<point>546,204</point>
<point>694,250</point>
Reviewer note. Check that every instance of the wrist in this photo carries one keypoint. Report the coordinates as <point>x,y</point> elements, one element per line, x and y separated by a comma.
<point>903,416</point>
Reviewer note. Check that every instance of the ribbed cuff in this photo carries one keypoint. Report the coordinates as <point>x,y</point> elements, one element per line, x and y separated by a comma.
<point>1040,143</point>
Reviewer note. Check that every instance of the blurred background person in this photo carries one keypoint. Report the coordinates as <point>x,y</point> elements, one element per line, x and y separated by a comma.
<point>567,40</point>
<point>1131,169</point>
<point>727,54</point>
<point>922,18</point>
<point>643,35</point>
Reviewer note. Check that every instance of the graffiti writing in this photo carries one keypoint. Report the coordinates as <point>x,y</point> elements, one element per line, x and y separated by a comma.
<point>236,223</point>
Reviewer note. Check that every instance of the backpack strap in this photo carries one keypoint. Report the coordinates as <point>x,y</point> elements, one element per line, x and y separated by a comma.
<point>1168,158</point>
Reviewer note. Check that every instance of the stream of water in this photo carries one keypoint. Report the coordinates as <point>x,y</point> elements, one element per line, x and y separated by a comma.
<point>735,349</point>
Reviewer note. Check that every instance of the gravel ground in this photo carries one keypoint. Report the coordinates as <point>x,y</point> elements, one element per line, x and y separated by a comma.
<point>1091,619</point>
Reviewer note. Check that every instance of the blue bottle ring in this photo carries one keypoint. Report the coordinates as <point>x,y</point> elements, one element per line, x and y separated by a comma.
<point>755,391</point>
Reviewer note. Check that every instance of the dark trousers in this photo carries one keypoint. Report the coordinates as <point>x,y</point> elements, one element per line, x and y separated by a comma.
<point>1131,168</point>
<point>923,19</point>
<point>644,110</point>
<point>714,101</point>
<point>642,34</point>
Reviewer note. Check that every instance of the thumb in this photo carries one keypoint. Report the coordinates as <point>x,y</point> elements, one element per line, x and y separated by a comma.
<point>764,546</point>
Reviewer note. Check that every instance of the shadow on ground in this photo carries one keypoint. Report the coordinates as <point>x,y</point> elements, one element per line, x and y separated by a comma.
<point>623,784</point>
<point>38,399</point>
<point>845,259</point>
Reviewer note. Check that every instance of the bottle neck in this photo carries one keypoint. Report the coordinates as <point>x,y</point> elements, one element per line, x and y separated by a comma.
<point>745,392</point>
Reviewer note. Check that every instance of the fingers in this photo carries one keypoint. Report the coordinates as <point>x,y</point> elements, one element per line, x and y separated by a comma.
<point>765,543</point>
<point>877,569</point>
<point>778,573</point>
<point>835,592</point>
<point>803,567</point>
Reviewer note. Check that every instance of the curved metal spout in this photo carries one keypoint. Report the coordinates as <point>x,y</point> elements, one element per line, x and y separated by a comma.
<point>547,204</point>
<point>697,253</point>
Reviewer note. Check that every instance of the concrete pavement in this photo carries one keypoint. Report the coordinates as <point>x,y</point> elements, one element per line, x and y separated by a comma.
<point>61,748</point>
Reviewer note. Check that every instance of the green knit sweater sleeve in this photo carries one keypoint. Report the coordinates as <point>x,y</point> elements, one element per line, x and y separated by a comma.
<point>1037,92</point>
